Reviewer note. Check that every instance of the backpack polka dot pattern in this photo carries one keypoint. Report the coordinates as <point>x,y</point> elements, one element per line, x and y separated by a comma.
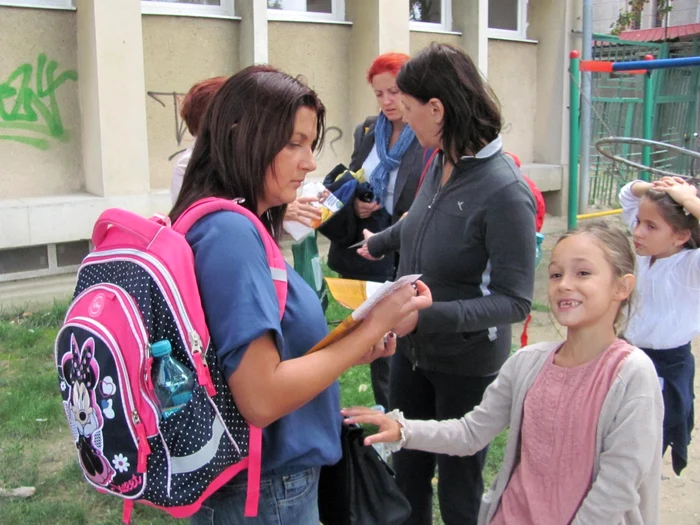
<point>193,427</point>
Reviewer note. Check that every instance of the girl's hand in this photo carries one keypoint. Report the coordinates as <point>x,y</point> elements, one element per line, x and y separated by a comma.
<point>302,211</point>
<point>365,209</point>
<point>364,251</point>
<point>389,429</point>
<point>679,190</point>
<point>385,347</point>
<point>399,305</point>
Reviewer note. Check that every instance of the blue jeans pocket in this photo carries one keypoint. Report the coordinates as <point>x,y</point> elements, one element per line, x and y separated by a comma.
<point>297,486</point>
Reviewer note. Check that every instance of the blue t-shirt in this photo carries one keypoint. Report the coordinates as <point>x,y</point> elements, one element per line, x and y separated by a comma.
<point>240,304</point>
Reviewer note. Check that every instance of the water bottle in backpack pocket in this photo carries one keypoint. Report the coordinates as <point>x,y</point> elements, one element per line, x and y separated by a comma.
<point>172,382</point>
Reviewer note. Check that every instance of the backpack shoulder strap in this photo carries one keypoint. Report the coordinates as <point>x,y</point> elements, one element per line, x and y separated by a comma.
<point>426,166</point>
<point>278,267</point>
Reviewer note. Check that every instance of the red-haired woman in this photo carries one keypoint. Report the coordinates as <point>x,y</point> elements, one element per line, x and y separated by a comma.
<point>192,111</point>
<point>392,159</point>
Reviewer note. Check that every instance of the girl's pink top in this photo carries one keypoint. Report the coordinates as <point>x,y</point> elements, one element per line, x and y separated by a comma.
<point>558,436</point>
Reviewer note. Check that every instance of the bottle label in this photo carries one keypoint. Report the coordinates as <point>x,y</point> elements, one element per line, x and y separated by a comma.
<point>177,401</point>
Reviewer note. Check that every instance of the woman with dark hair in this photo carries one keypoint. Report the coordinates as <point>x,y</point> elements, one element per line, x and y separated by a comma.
<point>471,234</point>
<point>392,159</point>
<point>257,143</point>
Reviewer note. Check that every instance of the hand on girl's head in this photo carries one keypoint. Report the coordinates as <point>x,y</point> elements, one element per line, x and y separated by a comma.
<point>676,188</point>
<point>668,181</point>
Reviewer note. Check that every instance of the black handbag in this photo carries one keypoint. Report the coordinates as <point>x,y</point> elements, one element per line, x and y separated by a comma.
<point>360,489</point>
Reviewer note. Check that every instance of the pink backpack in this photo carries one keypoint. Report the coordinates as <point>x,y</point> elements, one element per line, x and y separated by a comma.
<point>137,287</point>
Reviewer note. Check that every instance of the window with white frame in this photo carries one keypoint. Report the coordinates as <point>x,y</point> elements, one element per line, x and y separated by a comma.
<point>43,4</point>
<point>430,15</point>
<point>508,18</point>
<point>306,10</point>
<point>211,8</point>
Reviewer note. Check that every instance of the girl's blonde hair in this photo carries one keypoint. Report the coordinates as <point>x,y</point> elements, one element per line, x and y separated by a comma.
<point>618,252</point>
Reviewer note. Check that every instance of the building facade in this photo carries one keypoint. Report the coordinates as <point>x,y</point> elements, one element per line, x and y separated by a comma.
<point>606,13</point>
<point>90,92</point>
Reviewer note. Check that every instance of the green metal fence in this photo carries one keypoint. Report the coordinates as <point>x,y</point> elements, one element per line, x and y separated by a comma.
<point>617,110</point>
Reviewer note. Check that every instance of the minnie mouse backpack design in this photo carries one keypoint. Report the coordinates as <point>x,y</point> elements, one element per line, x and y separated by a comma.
<point>138,287</point>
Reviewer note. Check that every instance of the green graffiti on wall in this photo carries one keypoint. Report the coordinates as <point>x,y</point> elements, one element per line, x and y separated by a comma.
<point>29,112</point>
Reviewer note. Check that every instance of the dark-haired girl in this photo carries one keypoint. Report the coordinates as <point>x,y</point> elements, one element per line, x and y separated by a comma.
<point>663,216</point>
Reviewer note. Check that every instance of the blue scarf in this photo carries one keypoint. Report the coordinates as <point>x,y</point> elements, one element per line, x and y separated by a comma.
<point>388,160</point>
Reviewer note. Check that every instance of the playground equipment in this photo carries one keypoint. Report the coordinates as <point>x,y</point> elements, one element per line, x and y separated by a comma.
<point>644,67</point>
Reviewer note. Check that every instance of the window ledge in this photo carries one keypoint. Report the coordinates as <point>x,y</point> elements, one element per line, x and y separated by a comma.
<point>513,38</point>
<point>192,15</point>
<point>301,19</point>
<point>437,31</point>
<point>26,6</point>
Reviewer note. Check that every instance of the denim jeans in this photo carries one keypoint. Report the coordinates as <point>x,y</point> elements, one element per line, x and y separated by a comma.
<point>284,500</point>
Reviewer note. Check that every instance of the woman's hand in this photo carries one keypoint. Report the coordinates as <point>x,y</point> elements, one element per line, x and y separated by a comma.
<point>389,429</point>
<point>365,209</point>
<point>407,325</point>
<point>385,347</point>
<point>399,305</point>
<point>302,211</point>
<point>364,251</point>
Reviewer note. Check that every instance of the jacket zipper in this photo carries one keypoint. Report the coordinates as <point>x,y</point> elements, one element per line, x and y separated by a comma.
<point>418,243</point>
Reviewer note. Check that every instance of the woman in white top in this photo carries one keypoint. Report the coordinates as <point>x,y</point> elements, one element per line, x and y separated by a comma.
<point>192,110</point>
<point>663,216</point>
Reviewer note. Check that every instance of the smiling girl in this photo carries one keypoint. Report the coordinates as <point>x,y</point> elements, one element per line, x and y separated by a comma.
<point>585,415</point>
<point>663,217</point>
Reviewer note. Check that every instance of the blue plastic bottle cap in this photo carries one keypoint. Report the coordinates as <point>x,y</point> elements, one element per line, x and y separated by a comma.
<point>161,348</point>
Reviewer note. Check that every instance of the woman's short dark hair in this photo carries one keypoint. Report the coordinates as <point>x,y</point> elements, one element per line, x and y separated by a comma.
<point>472,112</point>
<point>249,121</point>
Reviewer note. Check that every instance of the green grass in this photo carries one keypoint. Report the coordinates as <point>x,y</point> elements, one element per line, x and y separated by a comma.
<point>36,447</point>
<point>540,307</point>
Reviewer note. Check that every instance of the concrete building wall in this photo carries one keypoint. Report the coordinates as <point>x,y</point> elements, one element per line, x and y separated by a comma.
<point>321,54</point>
<point>513,77</point>
<point>40,141</point>
<point>171,68</point>
<point>114,78</point>
<point>421,39</point>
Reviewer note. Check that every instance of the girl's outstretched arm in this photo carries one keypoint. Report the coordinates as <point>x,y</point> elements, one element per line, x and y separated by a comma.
<point>631,446</point>
<point>456,437</point>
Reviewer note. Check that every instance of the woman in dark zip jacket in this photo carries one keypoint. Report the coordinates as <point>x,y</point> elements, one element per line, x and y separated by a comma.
<point>392,158</point>
<point>471,234</point>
